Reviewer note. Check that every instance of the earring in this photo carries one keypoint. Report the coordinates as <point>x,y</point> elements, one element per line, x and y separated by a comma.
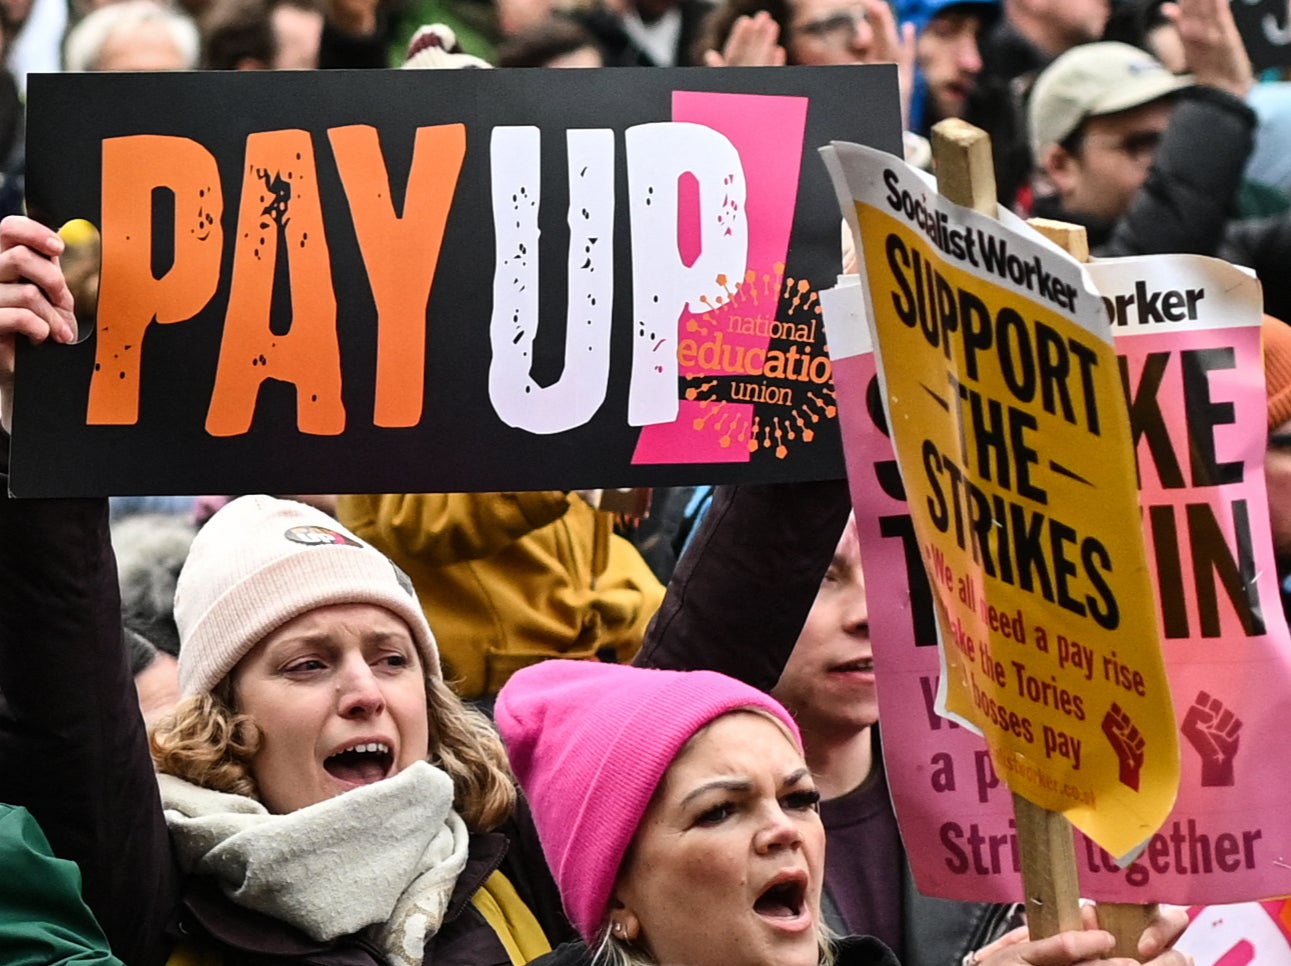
<point>618,928</point>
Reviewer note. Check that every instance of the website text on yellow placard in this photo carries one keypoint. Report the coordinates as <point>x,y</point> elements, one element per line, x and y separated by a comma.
<point>1010,428</point>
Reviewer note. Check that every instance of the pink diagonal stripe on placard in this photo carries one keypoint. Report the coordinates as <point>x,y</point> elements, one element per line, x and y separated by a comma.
<point>767,131</point>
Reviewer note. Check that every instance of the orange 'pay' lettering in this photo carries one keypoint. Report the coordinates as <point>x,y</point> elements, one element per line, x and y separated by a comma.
<point>280,216</point>
<point>129,295</point>
<point>400,251</point>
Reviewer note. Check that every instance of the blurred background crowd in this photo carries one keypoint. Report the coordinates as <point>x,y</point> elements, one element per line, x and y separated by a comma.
<point>1143,121</point>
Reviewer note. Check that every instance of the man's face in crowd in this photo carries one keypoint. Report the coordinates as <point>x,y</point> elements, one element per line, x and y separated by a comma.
<point>1109,165</point>
<point>827,32</point>
<point>828,681</point>
<point>950,58</point>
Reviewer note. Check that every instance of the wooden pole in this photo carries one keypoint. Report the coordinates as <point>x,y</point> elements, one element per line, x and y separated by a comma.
<point>1049,879</point>
<point>1125,921</point>
<point>1071,238</point>
<point>965,172</point>
<point>965,175</point>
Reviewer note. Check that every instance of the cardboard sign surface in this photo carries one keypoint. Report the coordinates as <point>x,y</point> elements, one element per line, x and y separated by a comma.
<point>1009,423</point>
<point>442,280</point>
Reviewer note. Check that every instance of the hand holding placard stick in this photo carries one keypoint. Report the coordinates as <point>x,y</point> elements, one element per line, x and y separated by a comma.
<point>965,176</point>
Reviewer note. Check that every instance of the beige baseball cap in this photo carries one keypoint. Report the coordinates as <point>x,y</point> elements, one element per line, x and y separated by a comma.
<point>1091,80</point>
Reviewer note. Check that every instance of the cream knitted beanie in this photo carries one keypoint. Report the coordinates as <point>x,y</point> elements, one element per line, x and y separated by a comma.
<point>260,562</point>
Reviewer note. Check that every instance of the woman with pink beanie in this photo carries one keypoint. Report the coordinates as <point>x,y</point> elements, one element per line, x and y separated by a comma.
<point>680,821</point>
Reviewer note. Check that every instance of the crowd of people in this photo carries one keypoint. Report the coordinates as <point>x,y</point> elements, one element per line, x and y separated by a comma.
<point>491,728</point>
<point>319,794</point>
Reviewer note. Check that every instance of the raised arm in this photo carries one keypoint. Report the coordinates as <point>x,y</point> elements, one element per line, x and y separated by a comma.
<point>738,599</point>
<point>72,744</point>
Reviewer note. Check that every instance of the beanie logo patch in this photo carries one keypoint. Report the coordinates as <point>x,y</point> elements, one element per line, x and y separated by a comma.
<point>316,536</point>
<point>1145,67</point>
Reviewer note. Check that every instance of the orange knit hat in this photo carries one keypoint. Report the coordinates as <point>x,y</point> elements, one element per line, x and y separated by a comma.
<point>1276,340</point>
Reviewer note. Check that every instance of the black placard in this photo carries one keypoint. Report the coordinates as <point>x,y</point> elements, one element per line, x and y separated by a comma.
<point>279,225</point>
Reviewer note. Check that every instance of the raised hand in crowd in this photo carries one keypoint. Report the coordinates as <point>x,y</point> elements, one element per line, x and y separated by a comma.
<point>754,41</point>
<point>1212,47</point>
<point>893,44</point>
<point>34,299</point>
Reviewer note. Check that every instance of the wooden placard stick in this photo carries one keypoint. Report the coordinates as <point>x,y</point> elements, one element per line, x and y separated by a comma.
<point>1070,238</point>
<point>1049,877</point>
<point>1125,921</point>
<point>965,175</point>
<point>964,165</point>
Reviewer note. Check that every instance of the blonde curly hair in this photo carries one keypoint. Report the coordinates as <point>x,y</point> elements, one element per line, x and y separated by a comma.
<point>208,742</point>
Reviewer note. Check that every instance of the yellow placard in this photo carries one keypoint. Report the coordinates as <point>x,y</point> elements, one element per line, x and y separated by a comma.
<point>1010,427</point>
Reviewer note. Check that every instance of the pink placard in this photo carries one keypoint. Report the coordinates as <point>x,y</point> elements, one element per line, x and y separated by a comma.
<point>1197,401</point>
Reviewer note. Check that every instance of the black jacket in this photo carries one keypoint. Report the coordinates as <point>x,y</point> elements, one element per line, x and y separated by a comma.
<point>1007,55</point>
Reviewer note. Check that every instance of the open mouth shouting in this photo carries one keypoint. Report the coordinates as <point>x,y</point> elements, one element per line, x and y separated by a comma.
<point>360,763</point>
<point>783,903</point>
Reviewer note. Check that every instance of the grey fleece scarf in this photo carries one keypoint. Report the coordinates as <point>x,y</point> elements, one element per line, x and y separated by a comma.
<point>384,857</point>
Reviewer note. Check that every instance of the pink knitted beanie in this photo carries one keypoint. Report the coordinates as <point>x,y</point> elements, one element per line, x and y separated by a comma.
<point>589,743</point>
<point>260,562</point>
